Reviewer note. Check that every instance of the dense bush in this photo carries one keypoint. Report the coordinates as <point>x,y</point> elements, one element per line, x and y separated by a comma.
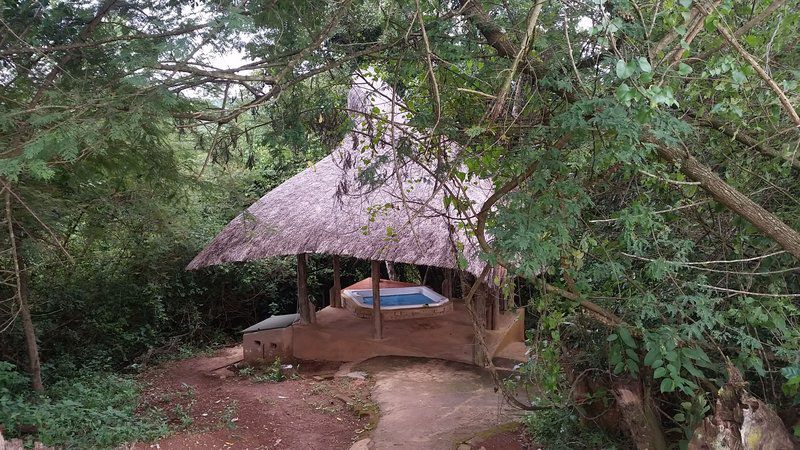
<point>92,410</point>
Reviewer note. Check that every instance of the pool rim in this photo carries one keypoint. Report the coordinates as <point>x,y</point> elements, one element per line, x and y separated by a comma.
<point>436,299</point>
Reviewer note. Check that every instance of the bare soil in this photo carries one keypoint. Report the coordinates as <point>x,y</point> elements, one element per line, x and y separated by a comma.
<point>433,404</point>
<point>212,407</point>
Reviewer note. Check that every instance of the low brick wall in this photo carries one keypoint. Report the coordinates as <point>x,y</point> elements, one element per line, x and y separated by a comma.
<point>268,345</point>
<point>397,314</point>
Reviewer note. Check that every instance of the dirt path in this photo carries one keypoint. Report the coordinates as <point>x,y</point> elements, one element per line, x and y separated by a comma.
<point>213,408</point>
<point>424,404</point>
<point>432,404</point>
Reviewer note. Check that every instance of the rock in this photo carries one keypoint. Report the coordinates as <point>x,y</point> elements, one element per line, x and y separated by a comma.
<point>356,375</point>
<point>464,447</point>
<point>363,444</point>
<point>289,371</point>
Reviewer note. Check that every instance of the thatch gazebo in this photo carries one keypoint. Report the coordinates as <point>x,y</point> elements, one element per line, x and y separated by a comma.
<point>364,200</point>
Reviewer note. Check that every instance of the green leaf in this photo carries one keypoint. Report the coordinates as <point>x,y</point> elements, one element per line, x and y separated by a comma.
<point>644,64</point>
<point>625,335</point>
<point>692,369</point>
<point>474,131</point>
<point>684,69</point>
<point>651,356</point>
<point>667,385</point>
<point>710,23</point>
<point>738,77</point>
<point>660,372</point>
<point>624,70</point>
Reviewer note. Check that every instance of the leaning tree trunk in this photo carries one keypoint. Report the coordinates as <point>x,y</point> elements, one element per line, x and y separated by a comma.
<point>765,221</point>
<point>21,294</point>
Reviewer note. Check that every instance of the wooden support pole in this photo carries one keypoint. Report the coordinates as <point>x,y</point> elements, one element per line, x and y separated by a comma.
<point>480,305</point>
<point>447,283</point>
<point>390,269</point>
<point>376,299</point>
<point>336,299</point>
<point>495,308</point>
<point>303,305</point>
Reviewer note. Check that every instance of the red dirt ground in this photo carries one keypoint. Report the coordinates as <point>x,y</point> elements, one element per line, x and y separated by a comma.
<point>214,408</point>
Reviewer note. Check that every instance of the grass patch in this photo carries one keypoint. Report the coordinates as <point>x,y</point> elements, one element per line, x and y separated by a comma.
<point>264,372</point>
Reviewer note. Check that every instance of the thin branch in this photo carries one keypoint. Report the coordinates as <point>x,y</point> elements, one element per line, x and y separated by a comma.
<point>787,106</point>
<point>527,40</point>
<point>705,263</point>
<point>745,28</point>
<point>52,234</point>
<point>437,102</point>
<point>757,294</point>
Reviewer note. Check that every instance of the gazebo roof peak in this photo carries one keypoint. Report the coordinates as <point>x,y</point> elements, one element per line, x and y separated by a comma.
<point>364,200</point>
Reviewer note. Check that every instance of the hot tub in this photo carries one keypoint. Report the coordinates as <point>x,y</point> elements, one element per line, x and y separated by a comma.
<point>398,303</point>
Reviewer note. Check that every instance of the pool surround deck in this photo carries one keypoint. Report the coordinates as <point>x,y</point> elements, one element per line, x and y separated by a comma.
<point>339,335</point>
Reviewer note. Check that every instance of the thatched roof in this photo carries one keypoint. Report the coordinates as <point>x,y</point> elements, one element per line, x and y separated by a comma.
<point>363,200</point>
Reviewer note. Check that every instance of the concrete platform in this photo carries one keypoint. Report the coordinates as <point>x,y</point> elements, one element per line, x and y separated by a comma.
<point>340,336</point>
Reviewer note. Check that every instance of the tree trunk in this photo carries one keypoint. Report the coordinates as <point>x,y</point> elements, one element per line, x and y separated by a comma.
<point>763,220</point>
<point>639,416</point>
<point>741,421</point>
<point>21,278</point>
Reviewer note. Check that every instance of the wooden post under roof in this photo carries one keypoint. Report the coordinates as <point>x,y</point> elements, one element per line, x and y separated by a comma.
<point>390,269</point>
<point>376,299</point>
<point>303,305</point>
<point>447,283</point>
<point>495,308</point>
<point>336,299</point>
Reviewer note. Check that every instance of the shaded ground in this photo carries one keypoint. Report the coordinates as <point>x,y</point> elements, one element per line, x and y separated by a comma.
<point>433,404</point>
<point>512,437</point>
<point>216,409</point>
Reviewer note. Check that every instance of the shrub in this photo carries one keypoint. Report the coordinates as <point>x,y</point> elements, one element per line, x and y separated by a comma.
<point>94,410</point>
<point>561,429</point>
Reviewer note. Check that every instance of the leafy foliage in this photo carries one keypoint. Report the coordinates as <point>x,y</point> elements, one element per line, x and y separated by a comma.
<point>90,411</point>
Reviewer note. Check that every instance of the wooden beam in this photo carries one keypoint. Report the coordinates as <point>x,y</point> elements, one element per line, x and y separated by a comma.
<point>376,299</point>
<point>302,290</point>
<point>495,308</point>
<point>447,283</point>
<point>336,299</point>
<point>390,269</point>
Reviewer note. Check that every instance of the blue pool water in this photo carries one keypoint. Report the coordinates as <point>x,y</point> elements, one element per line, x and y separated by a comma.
<point>400,300</point>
